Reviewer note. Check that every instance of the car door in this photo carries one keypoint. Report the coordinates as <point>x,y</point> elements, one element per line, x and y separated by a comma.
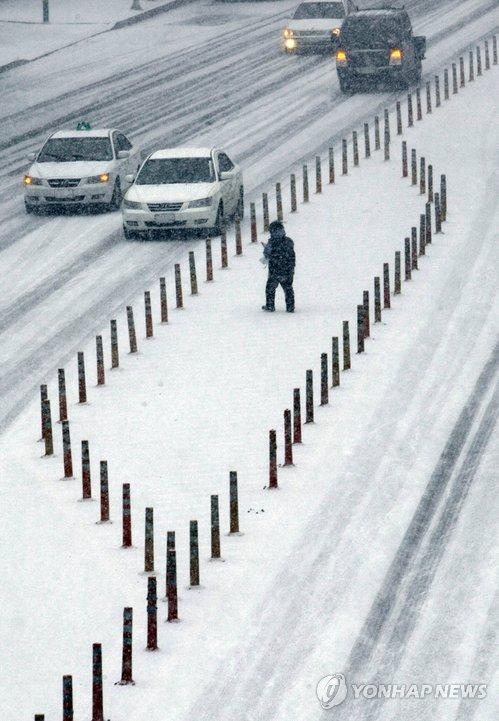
<point>126,165</point>
<point>230,190</point>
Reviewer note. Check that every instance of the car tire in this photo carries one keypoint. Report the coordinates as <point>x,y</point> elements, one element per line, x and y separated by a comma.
<point>240,205</point>
<point>217,228</point>
<point>117,197</point>
<point>31,209</point>
<point>418,73</point>
<point>346,85</point>
<point>129,234</point>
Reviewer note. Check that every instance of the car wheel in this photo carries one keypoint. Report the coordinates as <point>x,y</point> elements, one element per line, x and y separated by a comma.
<point>31,209</point>
<point>418,73</point>
<point>217,228</point>
<point>346,85</point>
<point>117,197</point>
<point>129,234</point>
<point>240,205</point>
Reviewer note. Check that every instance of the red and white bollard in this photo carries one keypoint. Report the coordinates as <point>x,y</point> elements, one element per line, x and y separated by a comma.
<point>152,614</point>
<point>85,472</point>
<point>296,416</point>
<point>104,493</point>
<point>66,450</point>
<point>288,442</point>
<point>126,662</point>
<point>163,300</point>
<point>97,690</point>
<point>233,503</point>
<point>127,517</point>
<point>272,460</point>
<point>82,386</point>
<point>67,698</point>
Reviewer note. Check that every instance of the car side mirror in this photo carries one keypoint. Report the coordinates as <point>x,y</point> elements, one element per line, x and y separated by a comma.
<point>31,157</point>
<point>129,178</point>
<point>226,175</point>
<point>123,154</point>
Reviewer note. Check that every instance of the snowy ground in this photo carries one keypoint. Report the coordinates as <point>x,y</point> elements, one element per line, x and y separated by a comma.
<point>83,268</point>
<point>72,11</point>
<point>25,36</point>
<point>296,597</point>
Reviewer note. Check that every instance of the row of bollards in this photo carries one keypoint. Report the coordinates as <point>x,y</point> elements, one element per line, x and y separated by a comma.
<point>292,419</point>
<point>410,254</point>
<point>474,57</point>
<point>171,595</point>
<point>132,334</point>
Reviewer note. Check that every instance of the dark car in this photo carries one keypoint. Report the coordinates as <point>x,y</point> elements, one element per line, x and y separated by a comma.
<point>378,44</point>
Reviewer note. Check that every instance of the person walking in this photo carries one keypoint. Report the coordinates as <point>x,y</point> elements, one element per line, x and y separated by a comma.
<point>279,252</point>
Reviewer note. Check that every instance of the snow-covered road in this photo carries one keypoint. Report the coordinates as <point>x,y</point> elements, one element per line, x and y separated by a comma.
<point>62,277</point>
<point>297,595</point>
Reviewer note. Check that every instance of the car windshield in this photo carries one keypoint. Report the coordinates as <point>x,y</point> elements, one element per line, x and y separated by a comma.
<point>319,10</point>
<point>369,32</point>
<point>67,150</point>
<point>166,171</point>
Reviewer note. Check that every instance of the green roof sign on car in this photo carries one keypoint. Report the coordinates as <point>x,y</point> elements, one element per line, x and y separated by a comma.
<point>83,125</point>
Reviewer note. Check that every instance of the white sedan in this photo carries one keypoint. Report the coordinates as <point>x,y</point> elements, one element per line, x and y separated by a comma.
<point>191,188</point>
<point>80,167</point>
<point>316,25</point>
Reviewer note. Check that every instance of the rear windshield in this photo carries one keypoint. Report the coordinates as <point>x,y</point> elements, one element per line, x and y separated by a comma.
<point>166,171</point>
<point>371,31</point>
<point>319,10</point>
<point>66,150</point>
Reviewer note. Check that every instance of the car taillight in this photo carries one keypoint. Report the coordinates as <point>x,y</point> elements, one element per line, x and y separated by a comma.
<point>341,57</point>
<point>396,56</point>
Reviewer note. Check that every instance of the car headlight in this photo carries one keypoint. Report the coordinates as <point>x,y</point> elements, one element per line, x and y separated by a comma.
<point>288,33</point>
<point>335,32</point>
<point>132,205</point>
<point>102,178</point>
<point>30,180</point>
<point>201,203</point>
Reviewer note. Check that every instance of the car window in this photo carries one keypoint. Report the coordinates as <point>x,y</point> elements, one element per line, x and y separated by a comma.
<point>166,171</point>
<point>372,31</point>
<point>122,143</point>
<point>64,150</point>
<point>319,10</point>
<point>225,164</point>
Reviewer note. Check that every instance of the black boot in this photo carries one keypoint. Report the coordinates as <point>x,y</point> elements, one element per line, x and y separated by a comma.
<point>269,310</point>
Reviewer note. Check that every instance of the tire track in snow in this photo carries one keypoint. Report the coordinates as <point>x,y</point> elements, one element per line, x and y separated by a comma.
<point>147,268</point>
<point>13,379</point>
<point>51,284</point>
<point>264,684</point>
<point>415,592</point>
<point>184,65</point>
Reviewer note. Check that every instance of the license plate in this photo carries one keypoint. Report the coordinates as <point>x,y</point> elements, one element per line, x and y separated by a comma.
<point>164,217</point>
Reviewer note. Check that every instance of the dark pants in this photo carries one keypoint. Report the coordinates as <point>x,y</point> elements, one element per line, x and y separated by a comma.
<point>286,282</point>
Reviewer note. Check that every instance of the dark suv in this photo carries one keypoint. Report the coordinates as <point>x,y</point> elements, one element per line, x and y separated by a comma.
<point>378,44</point>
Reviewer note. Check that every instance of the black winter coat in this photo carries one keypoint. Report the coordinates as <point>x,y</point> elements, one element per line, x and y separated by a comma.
<point>280,253</point>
